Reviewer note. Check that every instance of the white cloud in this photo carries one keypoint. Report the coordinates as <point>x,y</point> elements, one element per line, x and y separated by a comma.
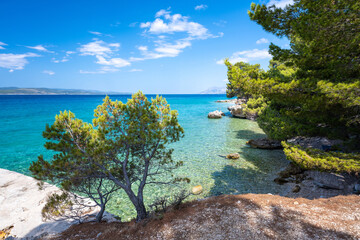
<point>162,49</point>
<point>100,34</point>
<point>102,70</point>
<point>2,44</point>
<point>96,33</point>
<point>135,70</point>
<point>49,72</point>
<point>174,33</point>
<point>280,3</point>
<point>115,62</point>
<point>15,61</point>
<point>64,59</point>
<point>104,53</point>
<point>247,56</point>
<point>167,23</point>
<point>143,48</point>
<point>40,48</point>
<point>201,7</point>
<point>163,12</point>
<point>98,48</point>
<point>262,40</point>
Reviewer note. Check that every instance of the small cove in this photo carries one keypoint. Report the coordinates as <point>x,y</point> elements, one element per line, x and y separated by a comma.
<point>202,150</point>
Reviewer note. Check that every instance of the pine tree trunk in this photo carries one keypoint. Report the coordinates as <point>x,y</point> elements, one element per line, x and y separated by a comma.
<point>140,211</point>
<point>100,213</point>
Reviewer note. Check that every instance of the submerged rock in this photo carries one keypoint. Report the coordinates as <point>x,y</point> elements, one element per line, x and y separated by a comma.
<point>216,114</point>
<point>264,143</point>
<point>233,156</point>
<point>197,189</point>
<point>237,111</point>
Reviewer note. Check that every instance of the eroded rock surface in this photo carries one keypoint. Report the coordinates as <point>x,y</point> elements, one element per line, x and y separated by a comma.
<point>21,203</point>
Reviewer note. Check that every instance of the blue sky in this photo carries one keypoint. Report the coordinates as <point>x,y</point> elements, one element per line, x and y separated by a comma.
<point>110,45</point>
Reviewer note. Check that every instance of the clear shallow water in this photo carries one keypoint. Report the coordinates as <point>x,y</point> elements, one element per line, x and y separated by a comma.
<point>206,142</point>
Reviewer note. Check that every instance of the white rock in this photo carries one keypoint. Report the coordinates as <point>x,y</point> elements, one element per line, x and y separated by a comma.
<point>216,114</point>
<point>237,111</point>
<point>21,203</point>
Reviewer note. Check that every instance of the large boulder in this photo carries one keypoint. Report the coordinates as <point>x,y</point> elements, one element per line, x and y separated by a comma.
<point>264,143</point>
<point>237,111</point>
<point>216,114</point>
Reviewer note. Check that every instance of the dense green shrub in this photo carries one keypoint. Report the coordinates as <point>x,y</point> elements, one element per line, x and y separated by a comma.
<point>311,158</point>
<point>255,106</point>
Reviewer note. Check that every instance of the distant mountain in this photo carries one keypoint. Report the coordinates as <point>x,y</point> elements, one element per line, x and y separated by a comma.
<point>53,91</point>
<point>214,90</point>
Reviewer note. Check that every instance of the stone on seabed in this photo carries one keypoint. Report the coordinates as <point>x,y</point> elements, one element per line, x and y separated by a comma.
<point>197,190</point>
<point>233,156</point>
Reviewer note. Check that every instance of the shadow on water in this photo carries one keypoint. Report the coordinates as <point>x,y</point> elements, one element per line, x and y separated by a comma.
<point>249,134</point>
<point>254,172</point>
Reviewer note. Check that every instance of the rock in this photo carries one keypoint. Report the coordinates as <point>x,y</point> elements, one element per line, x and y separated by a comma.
<point>227,101</point>
<point>280,180</point>
<point>264,143</point>
<point>296,189</point>
<point>216,114</point>
<point>197,190</point>
<point>233,156</point>
<point>291,173</point>
<point>326,185</point>
<point>321,143</point>
<point>238,101</point>
<point>290,170</point>
<point>21,204</point>
<point>237,111</point>
<point>357,188</point>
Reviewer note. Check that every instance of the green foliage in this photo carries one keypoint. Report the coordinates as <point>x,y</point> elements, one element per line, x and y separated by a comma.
<point>255,106</point>
<point>322,161</point>
<point>56,205</point>
<point>313,88</point>
<point>125,147</point>
<point>238,75</point>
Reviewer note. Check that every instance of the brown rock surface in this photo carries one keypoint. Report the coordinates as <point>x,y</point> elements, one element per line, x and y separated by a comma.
<point>249,216</point>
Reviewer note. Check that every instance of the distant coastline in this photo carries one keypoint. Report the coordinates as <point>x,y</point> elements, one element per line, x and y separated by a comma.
<point>54,91</point>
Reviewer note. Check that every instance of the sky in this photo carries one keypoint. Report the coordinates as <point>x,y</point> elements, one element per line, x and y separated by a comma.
<point>125,46</point>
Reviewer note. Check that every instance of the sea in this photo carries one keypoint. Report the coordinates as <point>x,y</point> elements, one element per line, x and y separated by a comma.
<point>203,149</point>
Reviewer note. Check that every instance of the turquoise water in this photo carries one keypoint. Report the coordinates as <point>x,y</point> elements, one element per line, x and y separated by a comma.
<point>206,142</point>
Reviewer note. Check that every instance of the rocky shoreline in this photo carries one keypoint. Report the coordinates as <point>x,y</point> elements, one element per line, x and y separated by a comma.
<point>21,203</point>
